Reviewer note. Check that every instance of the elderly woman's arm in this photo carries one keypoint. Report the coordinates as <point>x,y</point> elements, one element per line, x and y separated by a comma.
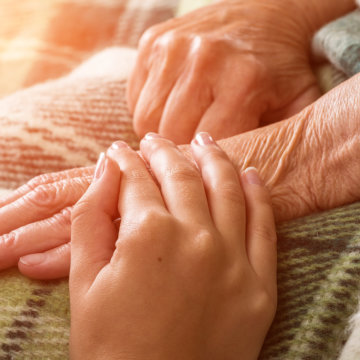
<point>309,163</point>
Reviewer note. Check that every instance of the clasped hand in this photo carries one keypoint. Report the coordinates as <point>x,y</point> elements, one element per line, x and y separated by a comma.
<point>191,272</point>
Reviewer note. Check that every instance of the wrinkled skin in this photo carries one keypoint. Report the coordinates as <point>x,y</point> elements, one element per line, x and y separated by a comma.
<point>224,69</point>
<point>309,163</point>
<point>188,277</point>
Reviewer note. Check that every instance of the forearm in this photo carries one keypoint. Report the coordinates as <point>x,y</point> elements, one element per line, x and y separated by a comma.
<point>309,162</point>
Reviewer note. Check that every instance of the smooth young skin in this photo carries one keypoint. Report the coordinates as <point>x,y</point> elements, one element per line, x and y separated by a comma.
<point>309,163</point>
<point>190,274</point>
<point>227,67</point>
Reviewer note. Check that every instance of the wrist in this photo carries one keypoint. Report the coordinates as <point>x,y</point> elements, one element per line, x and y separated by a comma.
<point>333,136</point>
<point>310,161</point>
<point>275,151</point>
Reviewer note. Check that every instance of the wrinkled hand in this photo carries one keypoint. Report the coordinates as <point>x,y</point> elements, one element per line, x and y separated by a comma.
<point>36,219</point>
<point>190,274</point>
<point>223,69</point>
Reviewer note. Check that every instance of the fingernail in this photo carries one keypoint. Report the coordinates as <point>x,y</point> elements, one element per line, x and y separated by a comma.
<point>33,259</point>
<point>251,176</point>
<point>151,136</point>
<point>100,166</point>
<point>203,139</point>
<point>119,145</point>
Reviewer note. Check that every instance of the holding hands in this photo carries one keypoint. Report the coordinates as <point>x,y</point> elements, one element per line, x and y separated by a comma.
<point>190,273</point>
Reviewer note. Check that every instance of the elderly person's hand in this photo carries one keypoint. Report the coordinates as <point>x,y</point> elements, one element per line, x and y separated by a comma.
<point>225,68</point>
<point>309,163</point>
<point>190,274</point>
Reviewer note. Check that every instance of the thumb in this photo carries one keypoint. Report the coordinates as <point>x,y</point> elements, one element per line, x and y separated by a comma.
<point>260,230</point>
<point>93,232</point>
<point>51,264</point>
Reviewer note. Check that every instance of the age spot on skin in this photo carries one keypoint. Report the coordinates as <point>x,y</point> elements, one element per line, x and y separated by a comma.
<point>159,259</point>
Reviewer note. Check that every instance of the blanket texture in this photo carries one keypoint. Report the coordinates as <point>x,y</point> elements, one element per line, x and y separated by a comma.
<point>75,112</point>
<point>319,281</point>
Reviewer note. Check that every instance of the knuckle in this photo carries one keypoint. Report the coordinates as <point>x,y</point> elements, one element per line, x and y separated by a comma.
<point>214,155</point>
<point>63,251</point>
<point>81,211</point>
<point>149,36</point>
<point>42,197</point>
<point>134,175</point>
<point>10,240</point>
<point>181,173</point>
<point>153,221</point>
<point>167,39</point>
<point>39,180</point>
<point>150,218</point>
<point>199,46</point>
<point>229,190</point>
<point>203,252</point>
<point>263,305</point>
<point>265,231</point>
<point>63,219</point>
<point>146,234</point>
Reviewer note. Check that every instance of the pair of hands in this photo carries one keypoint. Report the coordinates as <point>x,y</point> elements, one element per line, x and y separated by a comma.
<point>36,218</point>
<point>190,273</point>
<point>308,162</point>
<point>222,68</point>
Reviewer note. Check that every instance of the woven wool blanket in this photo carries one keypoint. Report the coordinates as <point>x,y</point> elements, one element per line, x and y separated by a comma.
<point>76,111</point>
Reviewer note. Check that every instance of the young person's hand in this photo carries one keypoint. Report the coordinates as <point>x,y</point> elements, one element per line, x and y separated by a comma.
<point>191,272</point>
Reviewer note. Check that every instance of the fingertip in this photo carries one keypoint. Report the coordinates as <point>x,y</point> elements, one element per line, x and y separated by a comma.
<point>251,176</point>
<point>255,187</point>
<point>106,179</point>
<point>33,259</point>
<point>120,150</point>
<point>93,233</point>
<point>202,144</point>
<point>51,264</point>
<point>261,230</point>
<point>203,141</point>
<point>152,141</point>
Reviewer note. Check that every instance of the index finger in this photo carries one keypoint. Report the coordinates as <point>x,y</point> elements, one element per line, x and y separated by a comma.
<point>138,191</point>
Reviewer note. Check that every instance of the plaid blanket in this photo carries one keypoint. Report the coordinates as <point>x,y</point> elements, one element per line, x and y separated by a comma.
<point>74,111</point>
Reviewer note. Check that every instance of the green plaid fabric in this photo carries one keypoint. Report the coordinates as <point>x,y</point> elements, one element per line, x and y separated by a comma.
<point>318,279</point>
